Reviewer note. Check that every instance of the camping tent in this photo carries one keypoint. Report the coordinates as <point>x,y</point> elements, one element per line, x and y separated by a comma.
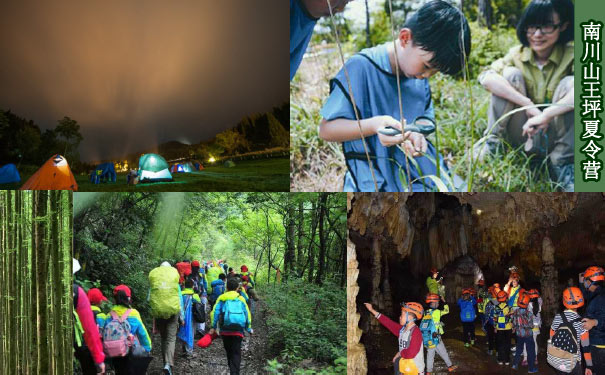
<point>153,168</point>
<point>103,173</point>
<point>55,174</point>
<point>198,165</point>
<point>181,168</point>
<point>9,174</point>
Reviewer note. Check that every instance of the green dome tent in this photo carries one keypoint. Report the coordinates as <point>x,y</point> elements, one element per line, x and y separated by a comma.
<point>153,168</point>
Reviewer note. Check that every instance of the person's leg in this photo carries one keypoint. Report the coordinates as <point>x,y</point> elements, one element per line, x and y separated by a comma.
<point>561,140</point>
<point>442,351</point>
<point>86,362</point>
<point>500,345</point>
<point>531,354</point>
<point>520,344</point>
<point>507,339</point>
<point>510,127</point>
<point>228,345</point>
<point>237,354</point>
<point>161,325</point>
<point>471,327</point>
<point>172,327</point>
<point>120,365</point>
<point>535,335</point>
<point>491,337</point>
<point>430,359</point>
<point>598,359</point>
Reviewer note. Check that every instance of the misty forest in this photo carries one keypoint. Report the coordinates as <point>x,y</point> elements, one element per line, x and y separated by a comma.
<point>294,245</point>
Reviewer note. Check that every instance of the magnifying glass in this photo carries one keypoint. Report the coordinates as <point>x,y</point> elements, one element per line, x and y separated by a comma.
<point>422,124</point>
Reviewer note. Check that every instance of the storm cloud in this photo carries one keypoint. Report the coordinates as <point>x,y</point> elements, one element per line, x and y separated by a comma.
<point>138,72</point>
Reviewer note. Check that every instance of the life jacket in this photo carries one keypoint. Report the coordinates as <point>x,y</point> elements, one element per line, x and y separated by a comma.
<point>430,334</point>
<point>512,300</point>
<point>563,347</point>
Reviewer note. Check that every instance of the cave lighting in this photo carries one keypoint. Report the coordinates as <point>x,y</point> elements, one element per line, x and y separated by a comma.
<point>478,212</point>
<point>212,159</point>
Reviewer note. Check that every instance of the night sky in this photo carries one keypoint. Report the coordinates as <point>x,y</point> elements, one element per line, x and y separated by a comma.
<point>135,73</point>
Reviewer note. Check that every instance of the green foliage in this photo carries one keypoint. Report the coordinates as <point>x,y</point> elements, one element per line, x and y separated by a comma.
<point>307,321</point>
<point>339,368</point>
<point>488,46</point>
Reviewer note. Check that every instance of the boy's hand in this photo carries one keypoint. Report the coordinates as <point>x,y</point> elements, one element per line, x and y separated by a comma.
<point>370,308</point>
<point>396,357</point>
<point>383,122</point>
<point>415,144</point>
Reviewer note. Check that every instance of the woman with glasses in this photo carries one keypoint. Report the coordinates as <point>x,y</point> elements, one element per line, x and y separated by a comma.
<point>538,71</point>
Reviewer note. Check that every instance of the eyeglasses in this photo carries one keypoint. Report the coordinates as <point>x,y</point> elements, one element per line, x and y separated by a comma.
<point>544,29</point>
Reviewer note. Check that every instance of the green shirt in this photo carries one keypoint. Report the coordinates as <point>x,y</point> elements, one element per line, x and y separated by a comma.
<point>540,84</point>
<point>433,285</point>
<point>436,314</point>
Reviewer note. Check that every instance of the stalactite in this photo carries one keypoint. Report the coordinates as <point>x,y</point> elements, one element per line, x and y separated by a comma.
<point>548,281</point>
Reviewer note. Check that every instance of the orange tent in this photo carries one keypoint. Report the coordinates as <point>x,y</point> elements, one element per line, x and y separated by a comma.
<point>53,175</point>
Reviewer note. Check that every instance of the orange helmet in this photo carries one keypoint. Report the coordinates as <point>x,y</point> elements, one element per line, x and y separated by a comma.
<point>523,300</point>
<point>432,297</point>
<point>466,291</point>
<point>533,293</point>
<point>414,308</point>
<point>481,282</point>
<point>472,291</point>
<point>502,296</point>
<point>573,298</point>
<point>594,274</point>
<point>515,275</point>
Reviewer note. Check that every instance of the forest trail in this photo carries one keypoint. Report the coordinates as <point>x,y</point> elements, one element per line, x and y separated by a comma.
<point>213,359</point>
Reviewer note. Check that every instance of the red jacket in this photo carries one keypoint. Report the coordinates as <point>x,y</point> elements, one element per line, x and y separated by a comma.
<point>415,344</point>
<point>91,331</point>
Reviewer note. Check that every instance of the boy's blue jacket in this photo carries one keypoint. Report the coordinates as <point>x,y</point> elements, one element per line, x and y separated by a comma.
<point>374,88</point>
<point>467,309</point>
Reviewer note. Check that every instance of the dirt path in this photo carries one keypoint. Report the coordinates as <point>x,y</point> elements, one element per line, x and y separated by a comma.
<point>213,360</point>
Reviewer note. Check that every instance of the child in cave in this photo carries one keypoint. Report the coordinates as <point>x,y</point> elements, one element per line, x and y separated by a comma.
<point>434,313</point>
<point>504,327</point>
<point>409,360</point>
<point>467,305</point>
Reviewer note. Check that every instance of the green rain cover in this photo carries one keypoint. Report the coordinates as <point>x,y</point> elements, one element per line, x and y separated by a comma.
<point>152,163</point>
<point>164,299</point>
<point>212,275</point>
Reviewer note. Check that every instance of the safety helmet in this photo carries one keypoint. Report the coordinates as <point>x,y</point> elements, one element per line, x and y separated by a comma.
<point>515,275</point>
<point>432,297</point>
<point>497,285</point>
<point>472,291</point>
<point>466,291</point>
<point>573,298</point>
<point>414,308</point>
<point>533,293</point>
<point>523,300</point>
<point>594,274</point>
<point>502,296</point>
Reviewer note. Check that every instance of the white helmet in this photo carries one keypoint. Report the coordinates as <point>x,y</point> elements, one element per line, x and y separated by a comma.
<point>76,266</point>
<point>165,264</point>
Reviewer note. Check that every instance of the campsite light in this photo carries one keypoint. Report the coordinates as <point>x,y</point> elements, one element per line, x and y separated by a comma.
<point>211,160</point>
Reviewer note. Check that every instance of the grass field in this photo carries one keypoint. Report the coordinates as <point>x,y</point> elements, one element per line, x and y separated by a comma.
<point>251,175</point>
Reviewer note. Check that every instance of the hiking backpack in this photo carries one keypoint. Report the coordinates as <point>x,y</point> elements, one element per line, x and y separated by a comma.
<point>233,315</point>
<point>500,318</point>
<point>562,350</point>
<point>117,338</point>
<point>199,313</point>
<point>430,335</point>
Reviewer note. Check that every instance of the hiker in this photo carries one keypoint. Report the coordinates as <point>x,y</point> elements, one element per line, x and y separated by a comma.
<point>304,14</point>
<point>428,42</point>
<point>232,318</point>
<point>90,352</point>
<point>167,310</point>
<point>124,334</point>
<point>535,306</point>
<point>523,324</point>
<point>591,285</point>
<point>432,329</point>
<point>487,323</point>
<point>432,283</point>
<point>409,359</point>
<point>481,295</point>
<point>218,288</point>
<point>193,313</point>
<point>503,324</point>
<point>200,287</point>
<point>567,334</point>
<point>245,272</point>
<point>96,297</point>
<point>538,71</point>
<point>467,305</point>
<point>231,273</point>
<point>250,291</point>
<point>184,269</point>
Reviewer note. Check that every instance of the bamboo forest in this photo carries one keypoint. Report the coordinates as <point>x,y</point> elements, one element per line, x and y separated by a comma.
<point>35,282</point>
<point>281,255</point>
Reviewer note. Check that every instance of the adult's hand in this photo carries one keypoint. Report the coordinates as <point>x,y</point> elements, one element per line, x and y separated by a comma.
<point>370,308</point>
<point>531,112</point>
<point>100,367</point>
<point>588,324</point>
<point>535,124</point>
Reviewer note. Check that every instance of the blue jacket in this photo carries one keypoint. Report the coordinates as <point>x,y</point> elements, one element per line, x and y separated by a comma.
<point>218,288</point>
<point>596,310</point>
<point>467,309</point>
